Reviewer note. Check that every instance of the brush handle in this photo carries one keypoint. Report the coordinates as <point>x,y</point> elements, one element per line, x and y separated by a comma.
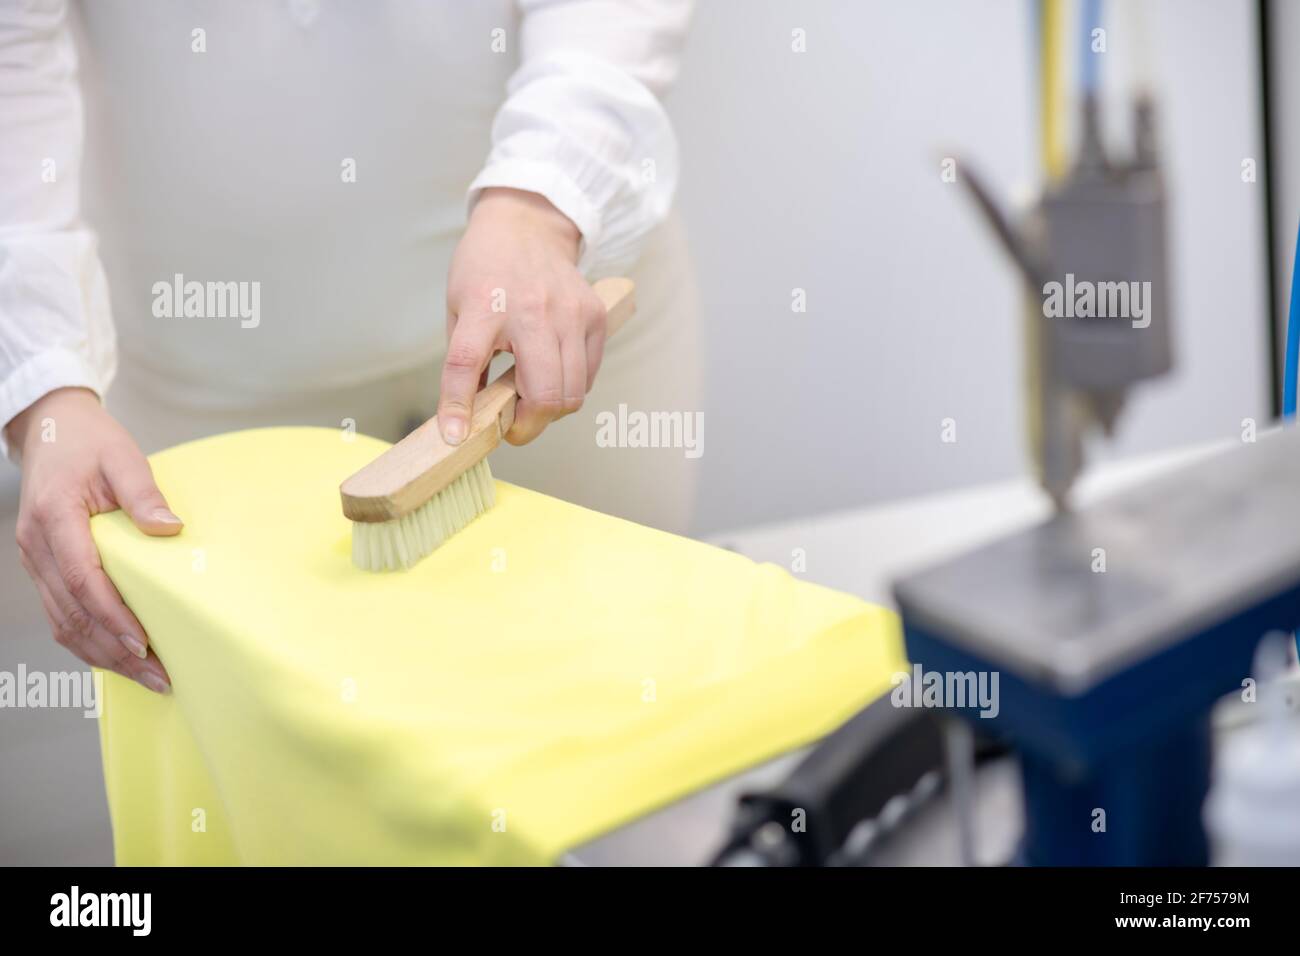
<point>420,465</point>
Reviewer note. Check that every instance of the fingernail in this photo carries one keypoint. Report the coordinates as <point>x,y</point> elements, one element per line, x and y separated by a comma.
<point>453,430</point>
<point>155,683</point>
<point>165,516</point>
<point>134,645</point>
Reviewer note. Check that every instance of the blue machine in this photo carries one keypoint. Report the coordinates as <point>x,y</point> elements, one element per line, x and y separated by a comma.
<point>1113,630</point>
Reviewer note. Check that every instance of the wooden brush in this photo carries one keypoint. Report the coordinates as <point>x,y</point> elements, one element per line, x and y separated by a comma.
<point>421,491</point>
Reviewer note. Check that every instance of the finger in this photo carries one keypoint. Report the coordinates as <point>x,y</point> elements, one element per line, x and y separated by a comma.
<point>468,353</point>
<point>149,673</point>
<point>595,343</point>
<point>78,572</point>
<point>71,627</point>
<point>97,647</point>
<point>487,369</point>
<point>131,480</point>
<point>540,381</point>
<point>595,338</point>
<point>573,361</point>
<point>69,623</point>
<point>64,635</point>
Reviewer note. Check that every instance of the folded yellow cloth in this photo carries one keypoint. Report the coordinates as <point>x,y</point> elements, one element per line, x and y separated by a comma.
<point>547,675</point>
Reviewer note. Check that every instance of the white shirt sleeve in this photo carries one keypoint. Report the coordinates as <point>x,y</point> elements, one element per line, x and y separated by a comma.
<point>55,326</point>
<point>582,123</point>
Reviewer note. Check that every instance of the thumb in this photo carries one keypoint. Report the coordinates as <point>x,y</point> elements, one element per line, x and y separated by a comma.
<point>131,480</point>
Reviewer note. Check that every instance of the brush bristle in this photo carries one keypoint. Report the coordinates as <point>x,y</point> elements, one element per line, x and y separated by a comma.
<point>389,545</point>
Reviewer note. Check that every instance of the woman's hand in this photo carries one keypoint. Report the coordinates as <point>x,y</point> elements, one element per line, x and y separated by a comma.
<point>78,461</point>
<point>514,286</point>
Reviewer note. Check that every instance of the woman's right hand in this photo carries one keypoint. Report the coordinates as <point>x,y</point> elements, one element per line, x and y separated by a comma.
<point>77,461</point>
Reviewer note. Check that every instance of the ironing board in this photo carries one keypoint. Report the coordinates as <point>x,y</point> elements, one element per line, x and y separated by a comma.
<point>547,675</point>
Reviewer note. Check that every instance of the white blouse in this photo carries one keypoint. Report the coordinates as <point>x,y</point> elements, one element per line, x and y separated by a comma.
<point>277,187</point>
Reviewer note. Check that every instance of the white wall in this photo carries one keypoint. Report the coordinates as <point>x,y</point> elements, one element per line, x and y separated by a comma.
<point>820,170</point>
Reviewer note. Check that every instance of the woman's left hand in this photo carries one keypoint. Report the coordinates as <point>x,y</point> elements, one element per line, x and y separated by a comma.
<point>514,286</point>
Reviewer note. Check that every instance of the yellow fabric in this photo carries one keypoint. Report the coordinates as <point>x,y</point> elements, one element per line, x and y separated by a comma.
<point>547,675</point>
